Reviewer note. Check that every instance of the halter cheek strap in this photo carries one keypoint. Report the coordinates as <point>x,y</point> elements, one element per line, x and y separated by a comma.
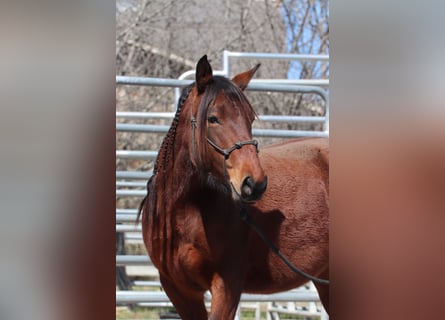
<point>225,152</point>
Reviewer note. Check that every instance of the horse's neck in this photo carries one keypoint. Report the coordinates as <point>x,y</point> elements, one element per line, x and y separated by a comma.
<point>174,167</point>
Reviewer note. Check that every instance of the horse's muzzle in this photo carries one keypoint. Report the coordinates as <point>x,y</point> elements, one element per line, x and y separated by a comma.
<point>252,190</point>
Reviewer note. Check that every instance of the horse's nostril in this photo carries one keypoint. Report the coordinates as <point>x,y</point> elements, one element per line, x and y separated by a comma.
<point>247,187</point>
<point>262,186</point>
<point>251,190</point>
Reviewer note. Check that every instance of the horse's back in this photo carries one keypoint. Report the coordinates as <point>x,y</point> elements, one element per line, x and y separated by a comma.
<point>297,157</point>
<point>299,149</point>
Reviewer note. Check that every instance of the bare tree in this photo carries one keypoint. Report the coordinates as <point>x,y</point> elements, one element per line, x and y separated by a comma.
<point>307,27</point>
<point>160,34</point>
<point>165,38</point>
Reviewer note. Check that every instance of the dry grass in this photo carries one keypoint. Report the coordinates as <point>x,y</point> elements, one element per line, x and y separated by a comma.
<point>124,313</point>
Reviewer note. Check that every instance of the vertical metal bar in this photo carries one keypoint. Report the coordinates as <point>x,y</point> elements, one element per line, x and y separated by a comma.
<point>178,90</point>
<point>177,94</point>
<point>326,121</point>
<point>226,63</point>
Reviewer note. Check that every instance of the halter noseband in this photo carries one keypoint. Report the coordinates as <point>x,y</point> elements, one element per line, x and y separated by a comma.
<point>237,145</point>
<point>225,152</point>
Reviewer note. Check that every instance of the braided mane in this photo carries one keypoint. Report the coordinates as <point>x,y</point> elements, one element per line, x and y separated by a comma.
<point>166,150</point>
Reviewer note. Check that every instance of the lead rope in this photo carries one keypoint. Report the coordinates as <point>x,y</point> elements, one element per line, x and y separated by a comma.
<point>226,154</point>
<point>248,219</point>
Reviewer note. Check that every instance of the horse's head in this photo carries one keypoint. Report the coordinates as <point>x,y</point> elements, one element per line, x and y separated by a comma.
<point>221,120</point>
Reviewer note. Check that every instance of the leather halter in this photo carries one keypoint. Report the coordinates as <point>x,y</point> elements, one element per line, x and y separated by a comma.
<point>237,145</point>
<point>225,152</point>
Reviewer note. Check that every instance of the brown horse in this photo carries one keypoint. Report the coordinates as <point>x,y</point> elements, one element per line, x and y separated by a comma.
<point>208,168</point>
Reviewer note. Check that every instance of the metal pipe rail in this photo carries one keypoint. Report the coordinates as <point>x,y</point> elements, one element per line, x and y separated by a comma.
<point>155,296</point>
<point>130,193</point>
<point>136,154</point>
<point>265,118</point>
<point>126,218</point>
<point>126,215</point>
<point>162,82</point>
<point>298,82</point>
<point>149,128</point>
<point>145,175</point>
<point>131,184</point>
<point>155,82</point>
<point>128,228</point>
<point>145,115</point>
<point>147,283</point>
<point>133,260</point>
<point>165,82</point>
<point>126,211</point>
<point>280,56</point>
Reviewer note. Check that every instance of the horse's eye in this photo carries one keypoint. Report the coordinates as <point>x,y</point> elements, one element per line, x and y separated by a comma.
<point>212,119</point>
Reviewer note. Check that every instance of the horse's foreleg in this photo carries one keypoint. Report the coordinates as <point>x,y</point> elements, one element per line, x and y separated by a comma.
<point>226,293</point>
<point>189,304</point>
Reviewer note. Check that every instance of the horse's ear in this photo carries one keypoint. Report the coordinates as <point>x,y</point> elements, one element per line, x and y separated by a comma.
<point>243,79</point>
<point>204,74</point>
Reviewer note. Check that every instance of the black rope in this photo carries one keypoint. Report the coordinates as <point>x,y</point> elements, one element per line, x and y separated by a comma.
<point>237,145</point>
<point>247,218</point>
